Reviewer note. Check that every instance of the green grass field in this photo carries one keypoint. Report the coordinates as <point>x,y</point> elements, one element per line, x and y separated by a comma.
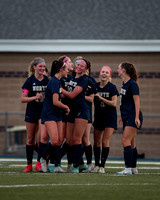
<point>16,185</point>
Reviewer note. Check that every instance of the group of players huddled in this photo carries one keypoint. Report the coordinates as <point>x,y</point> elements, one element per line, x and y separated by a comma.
<point>58,115</point>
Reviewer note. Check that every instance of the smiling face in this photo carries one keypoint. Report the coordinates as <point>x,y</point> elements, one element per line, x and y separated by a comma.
<point>81,67</point>
<point>40,68</point>
<point>105,73</point>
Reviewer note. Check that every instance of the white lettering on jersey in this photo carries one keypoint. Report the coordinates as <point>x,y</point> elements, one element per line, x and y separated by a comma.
<point>104,94</point>
<point>72,83</point>
<point>39,88</point>
<point>123,91</point>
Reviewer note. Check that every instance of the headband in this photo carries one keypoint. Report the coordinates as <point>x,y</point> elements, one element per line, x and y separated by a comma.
<point>64,64</point>
<point>39,61</point>
<point>65,59</point>
<point>76,61</point>
<point>108,68</point>
<point>83,62</point>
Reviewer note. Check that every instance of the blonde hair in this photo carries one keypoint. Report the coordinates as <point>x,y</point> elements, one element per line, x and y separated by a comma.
<point>108,69</point>
<point>33,63</point>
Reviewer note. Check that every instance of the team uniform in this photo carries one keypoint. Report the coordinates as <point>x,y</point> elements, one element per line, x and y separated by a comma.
<point>34,108</point>
<point>105,115</point>
<point>78,105</point>
<point>51,112</point>
<point>64,83</point>
<point>127,105</point>
<point>90,90</point>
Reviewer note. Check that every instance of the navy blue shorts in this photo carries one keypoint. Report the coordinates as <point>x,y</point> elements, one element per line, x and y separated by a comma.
<point>102,124</point>
<point>130,121</point>
<point>34,120</point>
<point>64,116</point>
<point>82,115</point>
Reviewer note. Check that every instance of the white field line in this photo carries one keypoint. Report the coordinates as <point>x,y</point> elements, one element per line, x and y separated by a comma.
<point>88,184</point>
<point>65,161</point>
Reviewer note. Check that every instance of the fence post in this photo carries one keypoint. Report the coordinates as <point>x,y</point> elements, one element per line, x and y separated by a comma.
<point>5,131</point>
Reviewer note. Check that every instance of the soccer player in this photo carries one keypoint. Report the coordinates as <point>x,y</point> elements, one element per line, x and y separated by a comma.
<point>79,115</point>
<point>105,117</point>
<point>33,94</point>
<point>52,116</point>
<point>64,83</point>
<point>131,116</point>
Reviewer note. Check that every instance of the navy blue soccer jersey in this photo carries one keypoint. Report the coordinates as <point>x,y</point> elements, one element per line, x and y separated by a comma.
<point>104,114</point>
<point>50,112</point>
<point>34,86</point>
<point>64,83</point>
<point>79,108</point>
<point>91,89</point>
<point>127,105</point>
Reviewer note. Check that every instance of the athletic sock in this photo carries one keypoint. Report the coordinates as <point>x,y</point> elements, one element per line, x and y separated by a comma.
<point>134,157</point>
<point>29,153</point>
<point>128,156</point>
<point>81,162</point>
<point>88,153</point>
<point>97,152</point>
<point>70,154</point>
<point>77,154</point>
<point>104,156</point>
<point>36,147</point>
<point>47,150</point>
<point>42,146</point>
<point>56,151</point>
<point>64,149</point>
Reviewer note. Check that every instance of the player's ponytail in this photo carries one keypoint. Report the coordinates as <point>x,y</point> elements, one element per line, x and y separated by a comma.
<point>56,66</point>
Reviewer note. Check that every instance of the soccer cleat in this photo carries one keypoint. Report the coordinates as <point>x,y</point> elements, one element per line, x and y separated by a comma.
<point>51,167</point>
<point>58,170</point>
<point>90,168</point>
<point>43,165</point>
<point>28,168</point>
<point>37,167</point>
<point>134,170</point>
<point>95,169</point>
<point>69,168</point>
<point>83,167</point>
<point>75,170</point>
<point>101,170</point>
<point>126,171</point>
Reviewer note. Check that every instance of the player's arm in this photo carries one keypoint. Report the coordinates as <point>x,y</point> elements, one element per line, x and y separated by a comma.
<point>112,102</point>
<point>71,95</point>
<point>59,104</point>
<point>26,99</point>
<point>90,98</point>
<point>137,109</point>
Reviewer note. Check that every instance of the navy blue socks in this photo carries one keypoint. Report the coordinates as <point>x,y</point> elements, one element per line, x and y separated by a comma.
<point>128,156</point>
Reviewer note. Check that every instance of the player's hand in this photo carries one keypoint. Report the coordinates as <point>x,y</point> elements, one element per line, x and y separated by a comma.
<point>67,110</point>
<point>120,121</point>
<point>39,96</point>
<point>137,122</point>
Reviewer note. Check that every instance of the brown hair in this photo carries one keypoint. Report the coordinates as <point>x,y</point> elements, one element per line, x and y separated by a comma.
<point>130,70</point>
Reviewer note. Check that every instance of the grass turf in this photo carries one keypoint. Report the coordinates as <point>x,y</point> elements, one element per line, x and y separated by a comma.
<point>17,185</point>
